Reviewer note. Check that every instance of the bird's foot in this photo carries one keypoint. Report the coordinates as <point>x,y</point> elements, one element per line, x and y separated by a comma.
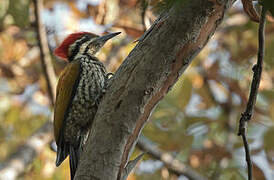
<point>109,78</point>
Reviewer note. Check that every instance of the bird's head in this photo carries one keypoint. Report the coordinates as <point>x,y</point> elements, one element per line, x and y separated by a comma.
<point>81,43</point>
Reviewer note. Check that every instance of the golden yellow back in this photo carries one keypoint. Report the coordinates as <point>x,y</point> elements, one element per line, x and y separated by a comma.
<point>65,87</point>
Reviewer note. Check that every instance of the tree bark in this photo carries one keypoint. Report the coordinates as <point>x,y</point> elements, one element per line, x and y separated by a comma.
<point>147,74</point>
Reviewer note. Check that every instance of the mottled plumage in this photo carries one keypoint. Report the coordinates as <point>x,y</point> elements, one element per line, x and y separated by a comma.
<point>88,94</point>
<point>79,91</point>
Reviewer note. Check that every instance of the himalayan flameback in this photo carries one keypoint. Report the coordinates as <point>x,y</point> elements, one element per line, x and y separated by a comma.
<point>79,91</point>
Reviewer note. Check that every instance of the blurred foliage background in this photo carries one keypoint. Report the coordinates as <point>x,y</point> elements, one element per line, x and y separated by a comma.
<point>197,121</point>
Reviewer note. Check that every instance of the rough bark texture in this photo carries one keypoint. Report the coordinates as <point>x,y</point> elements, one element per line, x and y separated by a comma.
<point>144,78</point>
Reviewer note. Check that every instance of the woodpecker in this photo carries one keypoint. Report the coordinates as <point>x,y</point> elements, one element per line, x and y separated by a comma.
<point>80,87</point>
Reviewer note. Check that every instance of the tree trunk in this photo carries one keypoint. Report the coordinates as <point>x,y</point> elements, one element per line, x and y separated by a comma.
<point>147,74</point>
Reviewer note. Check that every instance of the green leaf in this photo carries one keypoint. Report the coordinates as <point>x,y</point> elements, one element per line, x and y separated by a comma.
<point>19,9</point>
<point>269,53</point>
<point>268,94</point>
<point>268,139</point>
<point>185,93</point>
<point>181,93</point>
<point>3,8</point>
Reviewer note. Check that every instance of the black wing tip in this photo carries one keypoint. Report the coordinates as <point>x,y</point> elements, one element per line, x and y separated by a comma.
<point>62,153</point>
<point>58,162</point>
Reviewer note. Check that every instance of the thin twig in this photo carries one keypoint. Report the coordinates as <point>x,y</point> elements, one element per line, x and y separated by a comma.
<point>257,69</point>
<point>47,66</point>
<point>144,6</point>
<point>169,161</point>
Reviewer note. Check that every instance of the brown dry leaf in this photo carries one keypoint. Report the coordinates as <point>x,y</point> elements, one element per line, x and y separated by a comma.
<point>213,70</point>
<point>250,11</point>
<point>93,10</point>
<point>128,3</point>
<point>20,48</point>
<point>258,172</point>
<point>5,71</point>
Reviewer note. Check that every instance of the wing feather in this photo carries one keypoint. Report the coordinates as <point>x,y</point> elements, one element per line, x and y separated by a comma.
<point>66,88</point>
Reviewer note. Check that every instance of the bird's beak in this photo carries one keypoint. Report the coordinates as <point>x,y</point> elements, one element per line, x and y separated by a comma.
<point>108,36</point>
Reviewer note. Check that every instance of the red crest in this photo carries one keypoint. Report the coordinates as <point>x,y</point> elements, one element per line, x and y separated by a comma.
<point>62,50</point>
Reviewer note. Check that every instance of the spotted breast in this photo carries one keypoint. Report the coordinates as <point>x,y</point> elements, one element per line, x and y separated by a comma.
<point>90,89</point>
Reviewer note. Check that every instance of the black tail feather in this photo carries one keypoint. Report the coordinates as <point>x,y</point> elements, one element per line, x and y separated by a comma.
<point>62,152</point>
<point>73,160</point>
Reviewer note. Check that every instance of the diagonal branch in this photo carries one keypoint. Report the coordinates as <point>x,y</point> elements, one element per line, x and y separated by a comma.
<point>257,69</point>
<point>169,161</point>
<point>47,66</point>
<point>144,78</point>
